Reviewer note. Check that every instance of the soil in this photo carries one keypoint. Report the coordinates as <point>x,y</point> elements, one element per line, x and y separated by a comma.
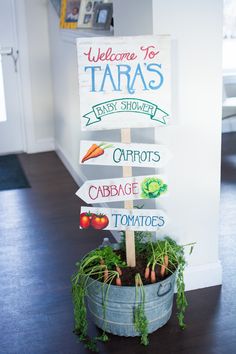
<point>128,273</point>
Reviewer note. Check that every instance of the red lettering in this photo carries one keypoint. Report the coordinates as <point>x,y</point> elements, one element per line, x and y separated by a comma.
<point>90,195</point>
<point>113,190</point>
<point>128,189</point>
<point>106,191</point>
<point>109,55</point>
<point>148,53</point>
<point>135,188</point>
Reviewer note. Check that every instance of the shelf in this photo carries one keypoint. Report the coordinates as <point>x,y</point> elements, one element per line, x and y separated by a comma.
<point>70,36</point>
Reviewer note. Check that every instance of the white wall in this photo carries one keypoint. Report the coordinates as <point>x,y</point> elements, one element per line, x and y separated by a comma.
<point>196,29</point>
<point>194,173</point>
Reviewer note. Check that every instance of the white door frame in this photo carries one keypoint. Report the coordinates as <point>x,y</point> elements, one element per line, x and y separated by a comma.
<point>24,80</point>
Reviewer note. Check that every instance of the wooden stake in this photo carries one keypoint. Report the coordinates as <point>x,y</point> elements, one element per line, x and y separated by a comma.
<point>129,235</point>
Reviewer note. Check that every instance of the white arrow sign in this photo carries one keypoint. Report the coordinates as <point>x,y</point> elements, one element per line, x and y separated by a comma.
<point>117,189</point>
<point>117,154</point>
<point>122,219</point>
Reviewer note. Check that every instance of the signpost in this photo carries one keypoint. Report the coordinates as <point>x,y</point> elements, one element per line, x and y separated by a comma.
<point>124,82</point>
<point>123,219</point>
<point>126,188</point>
<point>118,154</point>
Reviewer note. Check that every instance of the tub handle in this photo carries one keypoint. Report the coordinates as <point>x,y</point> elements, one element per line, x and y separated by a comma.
<point>165,292</point>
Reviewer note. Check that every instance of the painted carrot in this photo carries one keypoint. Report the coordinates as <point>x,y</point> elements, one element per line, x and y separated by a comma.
<point>147,273</point>
<point>119,270</point>
<point>153,276</point>
<point>95,151</point>
<point>118,281</point>
<point>90,150</point>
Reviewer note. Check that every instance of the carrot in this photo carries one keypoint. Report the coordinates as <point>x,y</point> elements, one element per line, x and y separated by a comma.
<point>102,262</point>
<point>153,276</point>
<point>119,270</point>
<point>118,281</point>
<point>147,273</point>
<point>95,153</point>
<point>90,150</point>
<point>166,261</point>
<point>164,265</point>
<point>105,276</point>
<point>163,269</point>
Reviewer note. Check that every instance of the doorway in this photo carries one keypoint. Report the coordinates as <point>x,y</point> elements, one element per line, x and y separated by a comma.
<point>11,117</point>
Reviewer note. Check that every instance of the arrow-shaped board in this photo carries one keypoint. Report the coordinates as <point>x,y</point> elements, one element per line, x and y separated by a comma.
<point>117,154</point>
<point>122,219</point>
<point>117,189</point>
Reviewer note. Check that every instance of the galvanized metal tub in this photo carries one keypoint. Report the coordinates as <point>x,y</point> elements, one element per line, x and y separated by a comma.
<point>112,308</point>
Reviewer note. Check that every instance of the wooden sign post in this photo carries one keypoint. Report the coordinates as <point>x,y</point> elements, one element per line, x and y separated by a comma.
<point>128,204</point>
<point>124,83</point>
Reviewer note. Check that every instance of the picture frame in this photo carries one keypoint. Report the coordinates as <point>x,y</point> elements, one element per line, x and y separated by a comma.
<point>70,10</point>
<point>87,13</point>
<point>57,6</point>
<point>102,16</point>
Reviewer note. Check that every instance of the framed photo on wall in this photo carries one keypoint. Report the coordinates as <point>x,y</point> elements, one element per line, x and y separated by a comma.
<point>102,16</point>
<point>70,10</point>
<point>87,12</point>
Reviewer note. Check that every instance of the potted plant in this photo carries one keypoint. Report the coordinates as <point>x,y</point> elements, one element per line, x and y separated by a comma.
<point>129,301</point>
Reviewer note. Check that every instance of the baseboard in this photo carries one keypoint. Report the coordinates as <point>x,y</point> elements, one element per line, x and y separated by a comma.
<point>203,276</point>
<point>42,145</point>
<point>229,125</point>
<point>79,178</point>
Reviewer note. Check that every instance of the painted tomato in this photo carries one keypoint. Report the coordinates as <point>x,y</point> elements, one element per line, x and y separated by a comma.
<point>85,220</point>
<point>99,222</point>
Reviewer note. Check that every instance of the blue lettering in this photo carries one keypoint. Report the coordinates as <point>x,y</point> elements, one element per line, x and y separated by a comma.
<point>150,68</point>
<point>93,68</point>
<point>116,218</point>
<point>138,73</point>
<point>108,74</point>
<point>123,220</point>
<point>162,221</point>
<point>157,154</point>
<point>126,73</point>
<point>148,221</point>
<point>117,157</point>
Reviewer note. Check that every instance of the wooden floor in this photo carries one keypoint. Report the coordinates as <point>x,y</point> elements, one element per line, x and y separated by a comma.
<point>40,242</point>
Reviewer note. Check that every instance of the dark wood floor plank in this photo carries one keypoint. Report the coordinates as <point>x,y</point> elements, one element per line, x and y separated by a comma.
<point>40,242</point>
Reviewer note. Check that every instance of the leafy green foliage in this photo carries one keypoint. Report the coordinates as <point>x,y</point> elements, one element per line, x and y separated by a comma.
<point>94,265</point>
<point>140,319</point>
<point>80,312</point>
<point>176,260</point>
<point>153,187</point>
<point>90,266</point>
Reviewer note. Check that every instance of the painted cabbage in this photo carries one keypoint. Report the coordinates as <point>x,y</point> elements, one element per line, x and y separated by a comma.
<point>153,187</point>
